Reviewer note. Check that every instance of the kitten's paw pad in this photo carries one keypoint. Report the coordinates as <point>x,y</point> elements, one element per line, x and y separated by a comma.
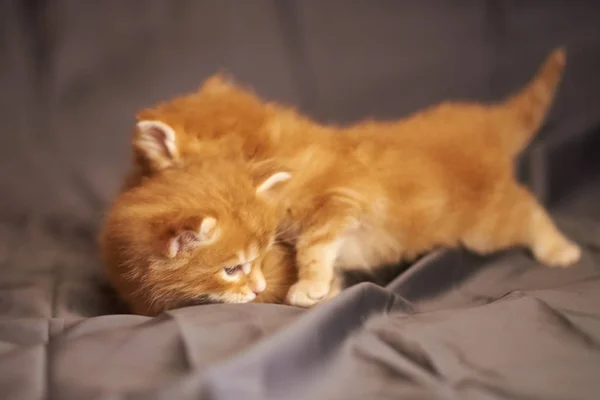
<point>561,256</point>
<point>307,293</point>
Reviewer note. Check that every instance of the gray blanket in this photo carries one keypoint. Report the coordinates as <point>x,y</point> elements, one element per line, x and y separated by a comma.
<point>452,326</point>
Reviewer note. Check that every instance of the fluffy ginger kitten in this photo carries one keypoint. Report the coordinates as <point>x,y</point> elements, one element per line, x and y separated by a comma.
<point>440,178</point>
<point>376,192</point>
<point>164,246</point>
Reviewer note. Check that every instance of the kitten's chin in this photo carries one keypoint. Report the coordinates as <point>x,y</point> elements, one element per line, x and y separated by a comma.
<point>228,298</point>
<point>198,301</point>
<point>236,298</point>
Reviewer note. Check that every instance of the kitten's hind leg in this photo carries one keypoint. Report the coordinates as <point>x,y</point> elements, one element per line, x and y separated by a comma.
<point>516,218</point>
<point>549,245</point>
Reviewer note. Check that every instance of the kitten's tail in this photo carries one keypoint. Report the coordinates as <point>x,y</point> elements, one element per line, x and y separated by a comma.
<point>529,106</point>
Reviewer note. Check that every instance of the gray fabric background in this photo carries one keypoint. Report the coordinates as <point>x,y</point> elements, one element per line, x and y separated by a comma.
<point>454,326</point>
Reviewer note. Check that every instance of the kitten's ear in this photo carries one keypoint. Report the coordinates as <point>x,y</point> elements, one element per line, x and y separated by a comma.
<point>218,83</point>
<point>271,181</point>
<point>268,175</point>
<point>188,238</point>
<point>156,142</point>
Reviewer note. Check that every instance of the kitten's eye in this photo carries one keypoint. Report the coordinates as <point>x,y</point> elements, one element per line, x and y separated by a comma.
<point>233,270</point>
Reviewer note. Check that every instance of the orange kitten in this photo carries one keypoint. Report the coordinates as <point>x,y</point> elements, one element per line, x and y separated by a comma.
<point>164,246</point>
<point>230,119</point>
<point>443,177</point>
<point>377,192</point>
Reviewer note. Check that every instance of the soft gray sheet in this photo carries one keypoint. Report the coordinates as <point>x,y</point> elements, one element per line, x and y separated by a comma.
<point>453,326</point>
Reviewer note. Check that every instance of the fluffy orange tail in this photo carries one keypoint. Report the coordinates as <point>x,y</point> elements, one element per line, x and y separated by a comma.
<point>529,106</point>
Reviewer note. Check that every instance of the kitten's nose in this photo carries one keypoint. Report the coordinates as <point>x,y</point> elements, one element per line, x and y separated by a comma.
<point>259,287</point>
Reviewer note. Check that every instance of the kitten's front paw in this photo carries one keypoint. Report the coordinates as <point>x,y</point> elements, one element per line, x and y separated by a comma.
<point>307,293</point>
<point>563,255</point>
<point>334,291</point>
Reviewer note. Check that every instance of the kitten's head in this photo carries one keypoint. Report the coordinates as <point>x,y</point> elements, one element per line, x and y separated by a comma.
<point>220,117</point>
<point>198,231</point>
